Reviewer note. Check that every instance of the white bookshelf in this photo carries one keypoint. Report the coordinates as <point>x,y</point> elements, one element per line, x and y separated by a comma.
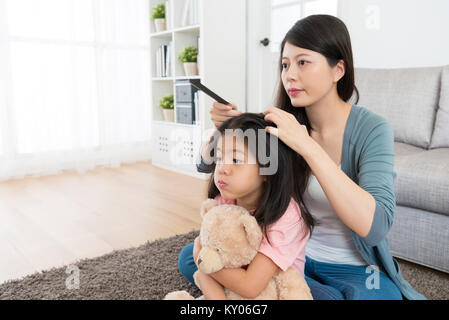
<point>221,28</point>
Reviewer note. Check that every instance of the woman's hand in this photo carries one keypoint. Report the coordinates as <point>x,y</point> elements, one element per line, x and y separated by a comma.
<point>288,130</point>
<point>196,249</point>
<point>222,112</point>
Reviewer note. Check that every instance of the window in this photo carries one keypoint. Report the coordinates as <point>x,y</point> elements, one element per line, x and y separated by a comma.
<point>285,13</point>
<point>79,72</point>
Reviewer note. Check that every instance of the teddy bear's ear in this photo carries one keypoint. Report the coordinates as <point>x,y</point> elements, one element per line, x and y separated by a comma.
<point>207,205</point>
<point>252,229</point>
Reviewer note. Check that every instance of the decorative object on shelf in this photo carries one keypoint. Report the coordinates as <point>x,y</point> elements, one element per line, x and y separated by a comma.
<point>158,15</point>
<point>167,104</point>
<point>189,57</point>
<point>187,102</point>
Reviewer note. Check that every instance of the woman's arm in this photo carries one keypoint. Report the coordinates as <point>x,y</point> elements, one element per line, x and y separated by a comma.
<point>353,205</point>
<point>211,289</point>
<point>248,283</point>
<point>367,209</point>
<point>218,114</point>
<point>368,206</point>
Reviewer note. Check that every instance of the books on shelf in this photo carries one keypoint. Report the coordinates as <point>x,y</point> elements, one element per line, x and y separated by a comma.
<point>163,61</point>
<point>168,64</point>
<point>190,13</point>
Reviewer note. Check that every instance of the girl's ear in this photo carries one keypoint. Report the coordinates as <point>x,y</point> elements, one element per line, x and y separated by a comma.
<point>206,205</point>
<point>252,229</point>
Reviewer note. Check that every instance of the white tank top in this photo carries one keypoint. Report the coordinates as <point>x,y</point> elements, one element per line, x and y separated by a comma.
<point>331,239</point>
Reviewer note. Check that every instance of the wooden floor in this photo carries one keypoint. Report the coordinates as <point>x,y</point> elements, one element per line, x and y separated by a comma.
<point>56,220</point>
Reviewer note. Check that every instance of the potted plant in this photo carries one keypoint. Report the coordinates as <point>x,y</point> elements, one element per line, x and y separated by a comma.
<point>158,15</point>
<point>189,57</point>
<point>167,105</point>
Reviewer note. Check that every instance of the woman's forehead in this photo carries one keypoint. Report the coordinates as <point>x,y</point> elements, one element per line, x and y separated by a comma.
<point>291,51</point>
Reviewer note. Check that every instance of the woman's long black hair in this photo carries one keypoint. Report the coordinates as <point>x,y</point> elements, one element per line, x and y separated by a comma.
<point>329,36</point>
<point>289,180</point>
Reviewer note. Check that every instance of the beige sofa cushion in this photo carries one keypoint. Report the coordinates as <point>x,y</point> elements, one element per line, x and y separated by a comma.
<point>422,179</point>
<point>440,138</point>
<point>408,98</point>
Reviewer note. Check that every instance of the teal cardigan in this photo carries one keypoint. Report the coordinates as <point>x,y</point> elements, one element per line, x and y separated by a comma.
<point>368,159</point>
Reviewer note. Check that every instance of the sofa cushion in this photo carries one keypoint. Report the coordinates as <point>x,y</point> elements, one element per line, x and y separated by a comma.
<point>403,149</point>
<point>422,179</point>
<point>440,138</point>
<point>408,98</point>
<point>421,237</point>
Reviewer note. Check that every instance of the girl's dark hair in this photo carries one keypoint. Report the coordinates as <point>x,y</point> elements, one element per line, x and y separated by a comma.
<point>329,36</point>
<point>289,180</point>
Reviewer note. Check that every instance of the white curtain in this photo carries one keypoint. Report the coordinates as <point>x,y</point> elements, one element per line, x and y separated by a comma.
<point>74,85</point>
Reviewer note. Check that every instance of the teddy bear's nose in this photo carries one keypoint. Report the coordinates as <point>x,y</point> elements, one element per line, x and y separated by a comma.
<point>199,260</point>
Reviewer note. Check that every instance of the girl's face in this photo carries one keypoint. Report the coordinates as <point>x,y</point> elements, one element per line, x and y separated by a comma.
<point>308,71</point>
<point>237,172</point>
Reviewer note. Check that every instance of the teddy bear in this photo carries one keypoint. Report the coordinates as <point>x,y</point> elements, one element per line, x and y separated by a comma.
<point>230,237</point>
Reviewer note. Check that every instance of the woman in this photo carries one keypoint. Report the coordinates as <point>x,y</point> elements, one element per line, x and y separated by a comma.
<point>350,151</point>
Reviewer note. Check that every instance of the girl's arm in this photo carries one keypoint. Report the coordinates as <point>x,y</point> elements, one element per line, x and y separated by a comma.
<point>248,283</point>
<point>211,289</point>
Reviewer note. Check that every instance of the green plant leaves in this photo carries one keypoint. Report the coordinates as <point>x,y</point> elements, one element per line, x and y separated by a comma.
<point>167,102</point>
<point>189,54</point>
<point>158,11</point>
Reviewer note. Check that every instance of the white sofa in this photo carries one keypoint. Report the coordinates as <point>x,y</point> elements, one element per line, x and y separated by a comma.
<point>416,102</point>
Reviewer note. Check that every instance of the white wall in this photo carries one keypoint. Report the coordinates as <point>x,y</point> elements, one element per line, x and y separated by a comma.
<point>397,33</point>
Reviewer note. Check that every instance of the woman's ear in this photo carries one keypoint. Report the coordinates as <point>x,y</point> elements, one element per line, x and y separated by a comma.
<point>339,70</point>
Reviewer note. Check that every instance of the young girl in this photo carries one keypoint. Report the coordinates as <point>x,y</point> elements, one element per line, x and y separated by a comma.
<point>237,179</point>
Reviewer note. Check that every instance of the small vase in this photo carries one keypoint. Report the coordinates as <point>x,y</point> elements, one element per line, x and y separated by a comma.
<point>191,68</point>
<point>169,115</point>
<point>160,25</point>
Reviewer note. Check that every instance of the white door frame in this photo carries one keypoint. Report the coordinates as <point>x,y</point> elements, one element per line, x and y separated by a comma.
<point>257,29</point>
<point>258,83</point>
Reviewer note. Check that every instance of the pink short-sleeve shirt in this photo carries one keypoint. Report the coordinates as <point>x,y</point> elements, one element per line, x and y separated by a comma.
<point>288,237</point>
